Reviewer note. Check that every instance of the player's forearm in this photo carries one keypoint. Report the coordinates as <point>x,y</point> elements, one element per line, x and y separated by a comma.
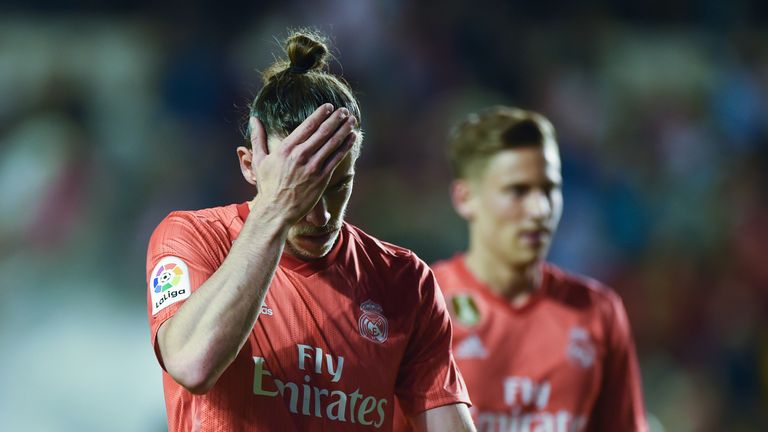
<point>447,418</point>
<point>208,331</point>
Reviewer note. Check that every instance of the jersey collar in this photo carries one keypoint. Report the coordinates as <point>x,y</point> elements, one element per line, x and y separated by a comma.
<point>304,267</point>
<point>533,299</point>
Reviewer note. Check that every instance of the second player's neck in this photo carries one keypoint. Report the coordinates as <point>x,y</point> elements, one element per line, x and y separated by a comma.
<point>513,283</point>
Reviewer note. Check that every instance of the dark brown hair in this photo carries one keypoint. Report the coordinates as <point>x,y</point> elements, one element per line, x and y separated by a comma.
<point>294,88</point>
<point>481,135</point>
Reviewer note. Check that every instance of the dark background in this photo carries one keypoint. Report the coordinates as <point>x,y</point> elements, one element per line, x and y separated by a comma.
<point>112,116</point>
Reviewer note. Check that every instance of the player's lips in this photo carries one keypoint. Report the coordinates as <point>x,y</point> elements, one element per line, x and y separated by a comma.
<point>318,238</point>
<point>535,237</point>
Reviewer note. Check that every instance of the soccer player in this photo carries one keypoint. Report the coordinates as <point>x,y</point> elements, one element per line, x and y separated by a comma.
<point>275,314</point>
<point>540,349</point>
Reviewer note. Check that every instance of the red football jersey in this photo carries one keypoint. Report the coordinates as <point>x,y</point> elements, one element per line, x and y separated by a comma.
<point>564,361</point>
<point>337,338</point>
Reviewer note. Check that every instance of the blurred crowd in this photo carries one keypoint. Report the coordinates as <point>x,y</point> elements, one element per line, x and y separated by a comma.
<point>111,119</point>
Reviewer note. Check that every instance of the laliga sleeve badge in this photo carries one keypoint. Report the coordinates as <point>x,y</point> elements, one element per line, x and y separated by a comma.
<point>373,325</point>
<point>169,283</point>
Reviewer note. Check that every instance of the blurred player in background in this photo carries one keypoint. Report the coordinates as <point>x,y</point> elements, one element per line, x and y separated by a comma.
<point>275,314</point>
<point>540,349</point>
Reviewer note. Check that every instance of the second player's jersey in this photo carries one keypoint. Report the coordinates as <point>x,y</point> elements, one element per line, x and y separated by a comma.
<point>563,362</point>
<point>337,339</point>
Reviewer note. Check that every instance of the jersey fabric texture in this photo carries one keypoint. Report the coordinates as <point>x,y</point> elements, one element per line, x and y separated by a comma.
<point>337,340</point>
<point>564,361</point>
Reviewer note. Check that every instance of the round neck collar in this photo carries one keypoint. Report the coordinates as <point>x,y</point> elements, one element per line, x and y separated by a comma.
<point>298,265</point>
<point>533,298</point>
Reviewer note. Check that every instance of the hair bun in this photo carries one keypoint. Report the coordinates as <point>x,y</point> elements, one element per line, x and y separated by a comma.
<point>306,51</point>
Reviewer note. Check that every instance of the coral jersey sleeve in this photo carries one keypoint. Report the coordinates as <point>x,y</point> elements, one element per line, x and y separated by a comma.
<point>179,260</point>
<point>428,376</point>
<point>619,405</point>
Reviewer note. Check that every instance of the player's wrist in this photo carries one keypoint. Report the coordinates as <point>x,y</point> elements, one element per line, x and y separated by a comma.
<point>268,214</point>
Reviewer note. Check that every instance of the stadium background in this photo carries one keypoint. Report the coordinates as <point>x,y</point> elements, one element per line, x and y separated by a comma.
<point>112,116</point>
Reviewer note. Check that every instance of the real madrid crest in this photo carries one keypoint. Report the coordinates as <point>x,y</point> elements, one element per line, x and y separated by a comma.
<point>373,325</point>
<point>581,350</point>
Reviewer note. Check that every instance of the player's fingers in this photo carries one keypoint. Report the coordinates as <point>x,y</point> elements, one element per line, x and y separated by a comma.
<point>320,152</point>
<point>339,153</point>
<point>258,139</point>
<point>309,126</point>
<point>328,134</point>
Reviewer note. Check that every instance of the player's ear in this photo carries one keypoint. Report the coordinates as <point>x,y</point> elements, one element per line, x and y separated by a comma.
<point>463,199</point>
<point>245,156</point>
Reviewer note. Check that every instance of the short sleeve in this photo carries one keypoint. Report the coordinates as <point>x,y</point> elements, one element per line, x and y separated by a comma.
<point>428,376</point>
<point>619,405</point>
<point>179,260</point>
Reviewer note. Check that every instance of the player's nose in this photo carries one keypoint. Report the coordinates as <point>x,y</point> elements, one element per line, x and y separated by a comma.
<point>319,215</point>
<point>539,205</point>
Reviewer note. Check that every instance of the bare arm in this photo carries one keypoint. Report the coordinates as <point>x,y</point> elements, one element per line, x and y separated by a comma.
<point>204,336</point>
<point>447,418</point>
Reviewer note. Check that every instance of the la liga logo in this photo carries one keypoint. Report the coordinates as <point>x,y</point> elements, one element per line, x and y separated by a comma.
<point>167,277</point>
<point>169,284</point>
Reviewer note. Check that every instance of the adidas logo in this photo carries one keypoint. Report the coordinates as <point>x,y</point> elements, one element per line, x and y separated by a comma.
<point>470,347</point>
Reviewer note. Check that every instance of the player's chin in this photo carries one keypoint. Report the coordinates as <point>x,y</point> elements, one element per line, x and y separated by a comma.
<point>311,247</point>
<point>529,255</point>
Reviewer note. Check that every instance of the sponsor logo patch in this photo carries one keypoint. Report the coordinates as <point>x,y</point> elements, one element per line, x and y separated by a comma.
<point>465,309</point>
<point>322,394</point>
<point>373,325</point>
<point>169,283</point>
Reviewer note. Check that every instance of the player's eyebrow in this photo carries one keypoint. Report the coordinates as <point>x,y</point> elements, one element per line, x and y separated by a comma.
<point>346,179</point>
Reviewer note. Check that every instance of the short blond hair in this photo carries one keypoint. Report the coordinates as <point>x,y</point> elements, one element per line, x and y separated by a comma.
<point>481,135</point>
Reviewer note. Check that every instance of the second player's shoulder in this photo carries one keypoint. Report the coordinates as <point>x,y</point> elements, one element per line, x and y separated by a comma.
<point>578,290</point>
